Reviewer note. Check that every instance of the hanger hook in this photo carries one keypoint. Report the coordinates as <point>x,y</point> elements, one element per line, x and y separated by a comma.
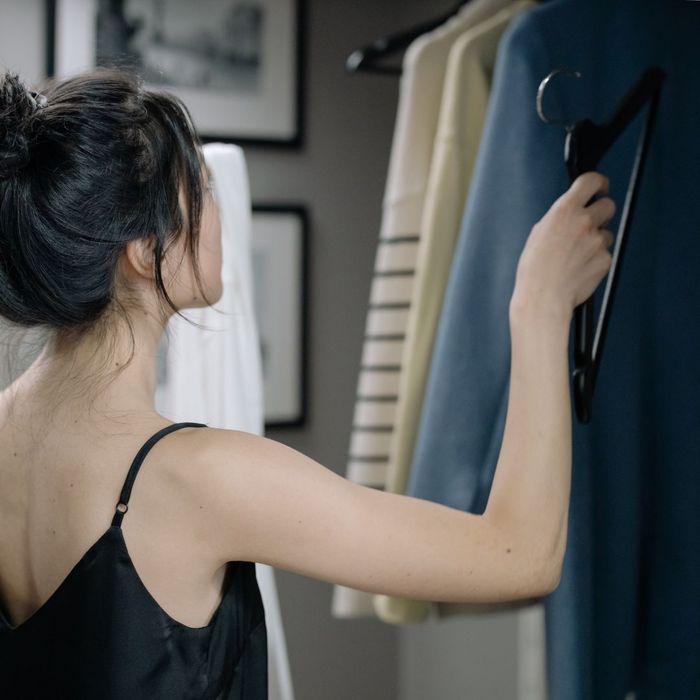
<point>540,94</point>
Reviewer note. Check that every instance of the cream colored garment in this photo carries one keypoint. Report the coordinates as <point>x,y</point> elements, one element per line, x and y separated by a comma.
<point>465,98</point>
<point>402,209</point>
<point>215,376</point>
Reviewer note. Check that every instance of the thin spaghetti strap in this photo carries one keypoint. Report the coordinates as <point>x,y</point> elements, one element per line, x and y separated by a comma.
<point>123,503</point>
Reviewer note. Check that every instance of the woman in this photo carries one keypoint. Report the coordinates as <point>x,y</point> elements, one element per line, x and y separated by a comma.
<point>107,227</point>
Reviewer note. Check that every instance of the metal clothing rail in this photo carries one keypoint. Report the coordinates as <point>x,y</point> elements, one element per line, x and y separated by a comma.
<point>369,59</point>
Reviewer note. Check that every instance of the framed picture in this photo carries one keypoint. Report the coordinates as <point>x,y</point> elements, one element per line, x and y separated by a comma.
<point>25,32</point>
<point>237,64</point>
<point>280,278</point>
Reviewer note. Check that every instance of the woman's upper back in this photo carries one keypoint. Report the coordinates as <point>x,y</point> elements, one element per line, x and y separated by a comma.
<point>208,496</point>
<point>107,621</point>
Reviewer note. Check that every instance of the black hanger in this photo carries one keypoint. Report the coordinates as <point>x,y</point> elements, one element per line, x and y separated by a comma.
<point>586,143</point>
<point>366,59</point>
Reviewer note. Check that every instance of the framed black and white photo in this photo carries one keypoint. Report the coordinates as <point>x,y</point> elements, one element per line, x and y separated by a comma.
<point>280,272</point>
<point>20,21</point>
<point>237,64</point>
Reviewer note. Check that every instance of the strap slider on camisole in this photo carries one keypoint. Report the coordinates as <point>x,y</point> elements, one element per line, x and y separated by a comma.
<point>122,506</point>
<point>120,509</point>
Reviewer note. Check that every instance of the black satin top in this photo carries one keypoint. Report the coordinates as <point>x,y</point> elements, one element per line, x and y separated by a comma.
<point>101,635</point>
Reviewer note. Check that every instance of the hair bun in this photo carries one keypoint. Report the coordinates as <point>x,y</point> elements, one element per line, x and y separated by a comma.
<point>17,105</point>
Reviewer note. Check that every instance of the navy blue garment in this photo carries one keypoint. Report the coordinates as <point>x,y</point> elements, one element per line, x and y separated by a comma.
<point>626,614</point>
<point>101,635</point>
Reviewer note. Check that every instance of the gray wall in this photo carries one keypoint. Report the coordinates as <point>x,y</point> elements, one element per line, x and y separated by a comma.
<point>339,174</point>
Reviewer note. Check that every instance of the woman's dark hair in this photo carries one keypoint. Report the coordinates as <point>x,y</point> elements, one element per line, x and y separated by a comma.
<point>87,164</point>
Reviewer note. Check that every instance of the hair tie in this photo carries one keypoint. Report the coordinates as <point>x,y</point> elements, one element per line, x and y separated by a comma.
<point>38,100</point>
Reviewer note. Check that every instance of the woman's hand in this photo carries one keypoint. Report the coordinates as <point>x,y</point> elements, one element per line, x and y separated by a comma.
<point>566,255</point>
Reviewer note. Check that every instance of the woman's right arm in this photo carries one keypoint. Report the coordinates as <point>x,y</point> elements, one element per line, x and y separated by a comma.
<point>254,499</point>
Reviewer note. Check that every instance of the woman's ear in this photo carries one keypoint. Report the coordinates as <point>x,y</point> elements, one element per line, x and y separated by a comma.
<point>139,257</point>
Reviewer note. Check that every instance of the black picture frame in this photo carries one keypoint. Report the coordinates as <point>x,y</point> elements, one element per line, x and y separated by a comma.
<point>49,37</point>
<point>292,379</point>
<point>294,140</point>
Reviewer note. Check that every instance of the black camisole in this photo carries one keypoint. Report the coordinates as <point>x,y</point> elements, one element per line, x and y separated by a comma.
<point>102,636</point>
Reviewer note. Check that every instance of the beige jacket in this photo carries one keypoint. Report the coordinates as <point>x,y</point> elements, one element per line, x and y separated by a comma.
<point>392,288</point>
<point>462,114</point>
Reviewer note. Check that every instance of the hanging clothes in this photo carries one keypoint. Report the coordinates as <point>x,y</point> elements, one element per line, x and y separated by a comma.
<point>420,91</point>
<point>624,616</point>
<point>215,376</point>
<point>464,103</point>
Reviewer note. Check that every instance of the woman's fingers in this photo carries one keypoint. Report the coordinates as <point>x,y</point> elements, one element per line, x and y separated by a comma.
<point>586,185</point>
<point>601,211</point>
<point>608,237</point>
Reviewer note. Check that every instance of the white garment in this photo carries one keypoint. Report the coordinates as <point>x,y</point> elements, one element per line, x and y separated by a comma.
<point>215,376</point>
